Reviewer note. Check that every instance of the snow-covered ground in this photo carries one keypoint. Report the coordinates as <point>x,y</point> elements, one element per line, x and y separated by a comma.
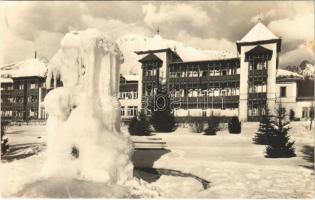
<point>234,166</point>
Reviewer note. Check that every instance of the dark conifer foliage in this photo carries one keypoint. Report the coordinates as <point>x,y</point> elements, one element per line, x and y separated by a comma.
<point>140,126</point>
<point>265,129</point>
<point>279,144</point>
<point>235,126</point>
<point>213,125</point>
<point>162,118</point>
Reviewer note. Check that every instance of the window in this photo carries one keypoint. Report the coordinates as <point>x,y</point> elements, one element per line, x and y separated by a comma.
<point>33,86</point>
<point>132,110</point>
<point>223,72</point>
<point>204,113</point>
<point>122,110</point>
<point>135,95</point>
<point>283,91</point>
<point>21,87</point>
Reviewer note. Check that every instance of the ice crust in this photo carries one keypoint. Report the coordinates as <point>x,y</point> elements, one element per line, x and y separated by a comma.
<point>85,112</point>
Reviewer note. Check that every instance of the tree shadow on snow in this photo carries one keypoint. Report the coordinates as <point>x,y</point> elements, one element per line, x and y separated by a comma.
<point>21,151</point>
<point>308,155</point>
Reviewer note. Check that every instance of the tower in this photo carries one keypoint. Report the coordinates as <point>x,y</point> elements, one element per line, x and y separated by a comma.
<point>258,50</point>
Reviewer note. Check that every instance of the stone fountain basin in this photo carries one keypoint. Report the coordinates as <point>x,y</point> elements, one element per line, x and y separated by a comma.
<point>168,183</point>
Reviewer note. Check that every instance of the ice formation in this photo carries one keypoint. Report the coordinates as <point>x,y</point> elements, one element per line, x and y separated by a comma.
<point>84,140</point>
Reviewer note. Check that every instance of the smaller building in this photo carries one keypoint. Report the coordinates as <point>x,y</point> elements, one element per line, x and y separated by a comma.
<point>23,91</point>
<point>295,93</point>
<point>128,96</point>
<point>6,98</point>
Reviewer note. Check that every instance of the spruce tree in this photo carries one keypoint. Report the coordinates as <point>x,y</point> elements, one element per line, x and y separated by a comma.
<point>213,125</point>
<point>234,125</point>
<point>279,144</point>
<point>132,125</point>
<point>265,129</point>
<point>163,119</point>
<point>139,125</point>
<point>143,125</point>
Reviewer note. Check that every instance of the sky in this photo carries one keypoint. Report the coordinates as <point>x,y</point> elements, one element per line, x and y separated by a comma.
<point>210,25</point>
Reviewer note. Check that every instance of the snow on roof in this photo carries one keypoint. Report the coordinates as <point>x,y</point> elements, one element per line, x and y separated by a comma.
<point>286,73</point>
<point>130,43</point>
<point>257,33</point>
<point>5,80</point>
<point>30,67</point>
<point>131,77</point>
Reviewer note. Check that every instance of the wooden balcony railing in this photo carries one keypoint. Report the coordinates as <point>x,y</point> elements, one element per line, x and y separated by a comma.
<point>149,78</point>
<point>258,95</point>
<point>262,72</point>
<point>206,79</point>
<point>216,99</point>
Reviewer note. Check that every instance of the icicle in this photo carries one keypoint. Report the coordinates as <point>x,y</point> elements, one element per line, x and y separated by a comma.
<point>85,112</point>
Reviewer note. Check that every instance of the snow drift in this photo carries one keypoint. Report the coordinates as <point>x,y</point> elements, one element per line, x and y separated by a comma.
<point>84,140</point>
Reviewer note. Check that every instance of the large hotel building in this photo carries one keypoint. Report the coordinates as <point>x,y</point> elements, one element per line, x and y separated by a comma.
<point>241,86</point>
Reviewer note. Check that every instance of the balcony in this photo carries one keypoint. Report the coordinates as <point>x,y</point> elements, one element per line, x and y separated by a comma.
<point>6,105</point>
<point>18,105</point>
<point>259,95</point>
<point>261,73</point>
<point>206,79</point>
<point>33,91</point>
<point>17,92</point>
<point>209,99</point>
<point>32,104</point>
<point>149,78</point>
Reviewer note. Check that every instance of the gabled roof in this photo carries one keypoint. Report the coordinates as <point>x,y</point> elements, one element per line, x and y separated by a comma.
<point>150,57</point>
<point>258,51</point>
<point>258,33</point>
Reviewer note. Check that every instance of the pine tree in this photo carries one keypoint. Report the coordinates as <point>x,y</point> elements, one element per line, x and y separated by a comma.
<point>279,144</point>
<point>139,125</point>
<point>143,125</point>
<point>213,125</point>
<point>265,129</point>
<point>234,125</point>
<point>4,141</point>
<point>163,120</point>
<point>132,125</point>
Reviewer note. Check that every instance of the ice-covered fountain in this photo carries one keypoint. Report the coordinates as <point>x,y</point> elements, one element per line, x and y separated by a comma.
<point>88,156</point>
<point>84,140</point>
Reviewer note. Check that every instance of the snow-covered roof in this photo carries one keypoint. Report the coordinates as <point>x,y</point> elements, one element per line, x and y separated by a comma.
<point>286,73</point>
<point>5,80</point>
<point>131,42</point>
<point>258,33</point>
<point>131,77</point>
<point>30,67</point>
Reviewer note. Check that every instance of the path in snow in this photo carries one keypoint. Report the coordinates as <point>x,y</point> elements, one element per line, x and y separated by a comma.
<point>235,167</point>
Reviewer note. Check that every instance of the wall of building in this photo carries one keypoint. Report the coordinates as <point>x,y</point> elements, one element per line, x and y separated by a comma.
<point>291,92</point>
<point>271,79</point>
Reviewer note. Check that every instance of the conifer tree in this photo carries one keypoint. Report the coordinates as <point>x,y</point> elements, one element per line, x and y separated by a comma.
<point>265,129</point>
<point>132,125</point>
<point>279,144</point>
<point>139,125</point>
<point>234,125</point>
<point>143,125</point>
<point>163,120</point>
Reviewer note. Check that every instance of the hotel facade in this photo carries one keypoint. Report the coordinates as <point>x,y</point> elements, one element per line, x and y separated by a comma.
<point>239,86</point>
<point>242,86</point>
